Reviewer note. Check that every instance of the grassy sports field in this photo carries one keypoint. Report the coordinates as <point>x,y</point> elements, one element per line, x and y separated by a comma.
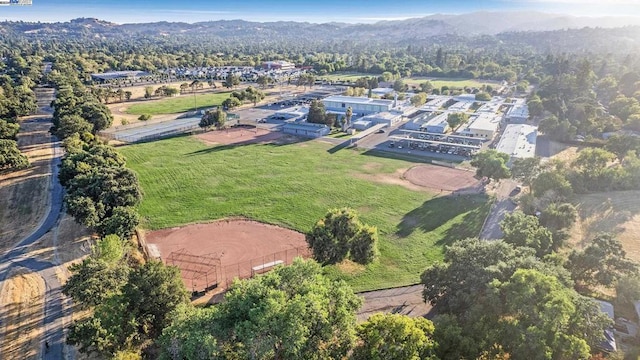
<point>293,185</point>
<point>437,82</point>
<point>455,83</point>
<point>178,104</point>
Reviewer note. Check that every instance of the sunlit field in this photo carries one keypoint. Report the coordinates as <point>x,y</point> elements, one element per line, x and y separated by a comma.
<point>293,185</point>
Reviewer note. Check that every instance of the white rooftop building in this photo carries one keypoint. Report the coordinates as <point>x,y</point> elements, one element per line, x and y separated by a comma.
<point>519,141</point>
<point>489,107</point>
<point>461,106</point>
<point>389,118</point>
<point>436,103</point>
<point>483,125</point>
<point>359,105</point>
<point>380,91</point>
<point>518,113</point>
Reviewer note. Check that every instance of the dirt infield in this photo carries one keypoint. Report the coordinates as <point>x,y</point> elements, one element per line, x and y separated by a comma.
<point>441,178</point>
<point>224,250</point>
<point>239,136</point>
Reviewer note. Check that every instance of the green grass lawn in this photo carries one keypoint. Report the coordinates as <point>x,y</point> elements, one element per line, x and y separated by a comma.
<point>345,76</point>
<point>178,104</point>
<point>437,82</point>
<point>452,82</point>
<point>293,185</point>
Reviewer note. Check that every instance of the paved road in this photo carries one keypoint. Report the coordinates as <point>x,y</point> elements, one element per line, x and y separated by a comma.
<point>406,300</point>
<point>503,206</point>
<point>18,256</point>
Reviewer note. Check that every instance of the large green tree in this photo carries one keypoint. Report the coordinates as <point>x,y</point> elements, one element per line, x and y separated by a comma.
<point>525,169</point>
<point>456,119</point>
<point>132,315</point>
<point>10,156</point>
<point>292,312</point>
<point>212,118</point>
<point>395,337</point>
<point>525,230</point>
<point>231,81</point>
<point>95,279</point>
<point>339,233</point>
<point>553,184</point>
<point>317,113</point>
<point>603,262</point>
<point>492,164</point>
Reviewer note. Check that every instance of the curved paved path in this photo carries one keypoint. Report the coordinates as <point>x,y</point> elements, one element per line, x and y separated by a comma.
<point>54,313</point>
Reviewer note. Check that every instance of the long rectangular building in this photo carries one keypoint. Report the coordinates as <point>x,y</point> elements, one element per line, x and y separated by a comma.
<point>519,141</point>
<point>359,105</point>
<point>483,126</point>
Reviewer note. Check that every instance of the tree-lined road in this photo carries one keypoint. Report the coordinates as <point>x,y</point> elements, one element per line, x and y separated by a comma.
<point>54,314</point>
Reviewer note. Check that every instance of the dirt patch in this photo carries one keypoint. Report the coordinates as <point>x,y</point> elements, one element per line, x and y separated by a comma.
<point>396,178</point>
<point>234,247</point>
<point>239,136</point>
<point>615,212</point>
<point>21,315</point>
<point>441,178</point>
<point>24,194</point>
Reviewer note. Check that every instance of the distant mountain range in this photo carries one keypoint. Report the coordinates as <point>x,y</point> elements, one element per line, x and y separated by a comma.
<point>471,24</point>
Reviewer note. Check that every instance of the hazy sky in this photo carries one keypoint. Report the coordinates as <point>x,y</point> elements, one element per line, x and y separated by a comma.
<point>128,11</point>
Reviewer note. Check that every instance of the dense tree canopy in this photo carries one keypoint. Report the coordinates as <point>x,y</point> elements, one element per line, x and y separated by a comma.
<point>292,312</point>
<point>494,299</point>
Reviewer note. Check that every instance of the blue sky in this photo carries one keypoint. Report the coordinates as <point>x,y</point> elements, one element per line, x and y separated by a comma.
<point>365,11</point>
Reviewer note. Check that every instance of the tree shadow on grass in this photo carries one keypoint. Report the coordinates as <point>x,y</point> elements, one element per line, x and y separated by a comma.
<point>283,141</point>
<point>439,211</point>
<point>416,158</point>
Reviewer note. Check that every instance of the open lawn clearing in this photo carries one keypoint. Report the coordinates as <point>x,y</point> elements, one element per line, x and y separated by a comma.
<point>616,212</point>
<point>21,315</point>
<point>450,82</point>
<point>24,194</point>
<point>417,80</point>
<point>293,185</point>
<point>182,103</point>
<point>347,76</point>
